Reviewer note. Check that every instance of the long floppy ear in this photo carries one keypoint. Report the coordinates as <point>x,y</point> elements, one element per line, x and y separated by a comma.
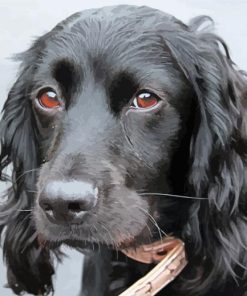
<point>217,227</point>
<point>29,266</point>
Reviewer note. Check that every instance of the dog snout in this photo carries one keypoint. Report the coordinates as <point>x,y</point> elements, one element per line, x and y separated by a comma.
<point>67,201</point>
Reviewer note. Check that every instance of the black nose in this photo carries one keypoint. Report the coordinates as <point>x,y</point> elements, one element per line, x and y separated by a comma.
<point>67,201</point>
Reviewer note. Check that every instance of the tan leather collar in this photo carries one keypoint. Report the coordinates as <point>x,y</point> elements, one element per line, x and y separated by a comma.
<point>169,253</point>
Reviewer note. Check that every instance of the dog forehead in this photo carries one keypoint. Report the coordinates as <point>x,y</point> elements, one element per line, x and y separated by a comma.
<point>107,43</point>
<point>115,28</point>
<point>143,15</point>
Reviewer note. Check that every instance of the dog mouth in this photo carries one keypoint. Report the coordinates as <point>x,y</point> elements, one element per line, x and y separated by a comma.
<point>149,252</point>
<point>83,239</point>
<point>128,246</point>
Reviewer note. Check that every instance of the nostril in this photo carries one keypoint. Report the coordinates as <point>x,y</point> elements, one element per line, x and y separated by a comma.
<point>45,204</point>
<point>47,207</point>
<point>74,207</point>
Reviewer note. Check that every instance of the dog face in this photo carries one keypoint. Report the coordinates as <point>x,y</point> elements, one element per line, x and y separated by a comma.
<point>111,129</point>
<point>114,109</point>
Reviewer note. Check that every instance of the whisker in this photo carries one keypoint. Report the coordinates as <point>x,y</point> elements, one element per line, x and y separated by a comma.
<point>154,222</point>
<point>98,243</point>
<point>90,235</point>
<point>109,233</point>
<point>173,195</point>
<point>26,172</point>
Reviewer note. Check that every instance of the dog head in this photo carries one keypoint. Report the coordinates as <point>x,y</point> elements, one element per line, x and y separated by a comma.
<point>113,108</point>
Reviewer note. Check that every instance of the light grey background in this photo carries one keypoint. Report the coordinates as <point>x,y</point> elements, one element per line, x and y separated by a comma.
<point>22,20</point>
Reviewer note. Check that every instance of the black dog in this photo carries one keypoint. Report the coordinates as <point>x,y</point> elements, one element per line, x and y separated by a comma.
<point>113,108</point>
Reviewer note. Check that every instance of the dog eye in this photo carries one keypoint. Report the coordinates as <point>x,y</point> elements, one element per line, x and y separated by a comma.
<point>145,100</point>
<point>48,99</point>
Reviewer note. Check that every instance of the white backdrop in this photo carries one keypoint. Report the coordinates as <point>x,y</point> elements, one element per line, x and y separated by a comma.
<point>22,20</point>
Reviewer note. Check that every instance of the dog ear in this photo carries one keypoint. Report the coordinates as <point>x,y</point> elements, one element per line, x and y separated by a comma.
<point>217,227</point>
<point>29,266</point>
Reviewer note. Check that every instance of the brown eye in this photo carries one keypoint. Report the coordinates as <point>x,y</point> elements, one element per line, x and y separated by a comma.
<point>48,99</point>
<point>145,100</point>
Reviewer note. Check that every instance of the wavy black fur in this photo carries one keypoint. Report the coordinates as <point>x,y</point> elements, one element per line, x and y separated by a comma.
<point>211,156</point>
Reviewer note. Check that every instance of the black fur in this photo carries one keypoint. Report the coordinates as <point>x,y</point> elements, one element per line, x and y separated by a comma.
<point>192,145</point>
